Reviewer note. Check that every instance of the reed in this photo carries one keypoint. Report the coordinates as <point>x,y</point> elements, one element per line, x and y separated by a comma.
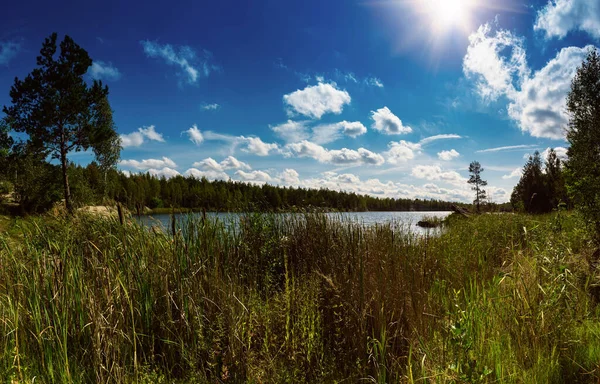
<point>297,298</point>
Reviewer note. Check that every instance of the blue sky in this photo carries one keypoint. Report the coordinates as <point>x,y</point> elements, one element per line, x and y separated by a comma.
<point>387,97</point>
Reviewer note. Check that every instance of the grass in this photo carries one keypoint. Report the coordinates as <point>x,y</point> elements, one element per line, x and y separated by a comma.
<point>281,298</point>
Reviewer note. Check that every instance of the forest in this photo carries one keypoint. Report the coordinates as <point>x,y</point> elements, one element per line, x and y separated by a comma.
<point>36,186</point>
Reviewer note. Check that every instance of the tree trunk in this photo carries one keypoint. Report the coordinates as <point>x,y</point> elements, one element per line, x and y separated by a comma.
<point>63,164</point>
<point>477,196</point>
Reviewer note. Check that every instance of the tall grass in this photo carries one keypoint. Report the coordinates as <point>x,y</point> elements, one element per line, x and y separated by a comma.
<point>495,298</point>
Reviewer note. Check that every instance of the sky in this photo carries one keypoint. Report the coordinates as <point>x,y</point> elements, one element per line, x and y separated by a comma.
<point>391,98</point>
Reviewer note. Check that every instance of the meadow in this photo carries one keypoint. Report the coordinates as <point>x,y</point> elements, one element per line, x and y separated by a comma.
<point>504,298</point>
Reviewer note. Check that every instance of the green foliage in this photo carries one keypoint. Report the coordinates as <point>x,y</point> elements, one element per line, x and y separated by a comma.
<point>275,298</point>
<point>59,112</point>
<point>583,168</point>
<point>475,179</point>
<point>540,190</point>
<point>36,182</point>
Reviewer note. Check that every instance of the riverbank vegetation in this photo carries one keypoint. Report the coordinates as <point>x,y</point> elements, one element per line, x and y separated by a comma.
<point>494,298</point>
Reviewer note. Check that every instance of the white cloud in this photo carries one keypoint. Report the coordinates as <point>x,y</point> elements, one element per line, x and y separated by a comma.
<point>386,122</point>
<point>254,176</point>
<point>350,77</point>
<point>289,177</point>
<point>195,135</point>
<point>230,162</point>
<point>8,51</point>
<point>431,139</point>
<point>210,107</point>
<point>147,164</point>
<point>192,66</point>
<point>316,100</point>
<point>135,139</point>
<point>536,101</point>
<point>448,155</point>
<point>101,70</point>
<point>326,133</point>
<point>401,151</point>
<point>434,172</point>
<point>151,133</point>
<point>360,156</point>
<point>257,147</point>
<point>493,72</point>
<point>559,17</point>
<point>561,153</point>
<point>507,148</point>
<point>373,82</point>
<point>346,156</point>
<point>164,172</point>
<point>253,145</point>
<point>515,173</point>
<point>306,148</point>
<point>210,174</point>
<point>291,131</point>
<point>540,106</point>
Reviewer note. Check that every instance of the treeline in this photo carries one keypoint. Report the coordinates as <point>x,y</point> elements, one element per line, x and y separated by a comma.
<point>542,185</point>
<point>37,187</point>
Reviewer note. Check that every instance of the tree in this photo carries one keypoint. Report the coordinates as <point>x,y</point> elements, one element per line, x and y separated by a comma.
<point>59,112</point>
<point>531,192</point>
<point>583,134</point>
<point>555,180</point>
<point>475,170</point>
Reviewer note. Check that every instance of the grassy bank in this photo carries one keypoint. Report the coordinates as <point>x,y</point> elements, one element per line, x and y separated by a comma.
<point>496,298</point>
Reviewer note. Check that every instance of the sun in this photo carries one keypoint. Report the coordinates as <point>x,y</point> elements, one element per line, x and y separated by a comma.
<point>448,13</point>
<point>444,15</point>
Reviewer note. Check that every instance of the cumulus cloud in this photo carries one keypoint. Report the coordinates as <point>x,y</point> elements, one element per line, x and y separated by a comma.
<point>539,107</point>
<point>254,176</point>
<point>345,156</point>
<point>289,177</point>
<point>252,145</point>
<point>434,172</point>
<point>8,51</point>
<point>101,70</point>
<point>230,162</point>
<point>195,135</point>
<point>536,101</point>
<point>448,155</point>
<point>515,173</point>
<point>165,172</point>
<point>147,164</point>
<point>316,100</point>
<point>291,131</point>
<point>326,133</point>
<point>401,151</point>
<point>386,122</point>
<point>489,64</point>
<point>559,17</point>
<point>561,153</point>
<point>210,174</point>
<point>136,139</point>
<point>258,147</point>
<point>192,65</point>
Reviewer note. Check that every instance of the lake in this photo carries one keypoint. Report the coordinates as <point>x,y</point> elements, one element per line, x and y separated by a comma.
<point>407,220</point>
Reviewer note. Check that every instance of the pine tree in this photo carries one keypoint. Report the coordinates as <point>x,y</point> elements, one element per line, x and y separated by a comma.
<point>583,167</point>
<point>475,170</point>
<point>59,112</point>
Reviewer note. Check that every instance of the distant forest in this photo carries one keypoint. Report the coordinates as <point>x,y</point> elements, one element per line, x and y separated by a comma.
<point>37,189</point>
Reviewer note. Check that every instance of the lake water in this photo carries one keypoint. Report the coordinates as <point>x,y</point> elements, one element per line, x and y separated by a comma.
<point>407,220</point>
